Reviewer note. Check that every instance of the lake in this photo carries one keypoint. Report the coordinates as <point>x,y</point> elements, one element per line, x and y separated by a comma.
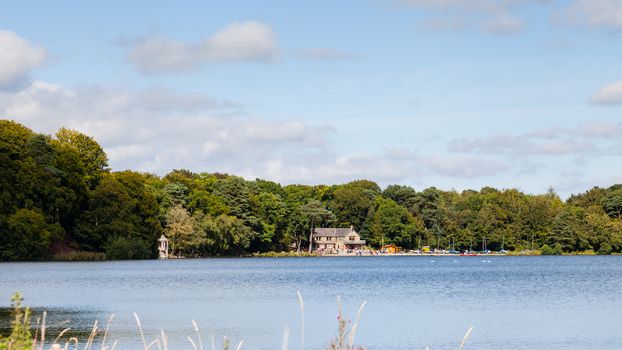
<point>572,302</point>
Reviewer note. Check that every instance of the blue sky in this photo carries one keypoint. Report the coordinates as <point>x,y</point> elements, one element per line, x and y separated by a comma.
<point>448,93</point>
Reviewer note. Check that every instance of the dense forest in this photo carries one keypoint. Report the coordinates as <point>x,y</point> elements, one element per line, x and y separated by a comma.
<point>58,196</point>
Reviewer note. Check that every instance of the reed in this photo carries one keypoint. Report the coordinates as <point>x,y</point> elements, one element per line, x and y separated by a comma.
<point>79,256</point>
<point>21,339</point>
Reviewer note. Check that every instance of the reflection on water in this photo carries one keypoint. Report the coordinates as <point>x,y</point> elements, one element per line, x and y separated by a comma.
<point>413,302</point>
<point>57,319</point>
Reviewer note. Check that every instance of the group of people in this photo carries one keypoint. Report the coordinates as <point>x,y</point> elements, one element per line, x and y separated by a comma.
<point>356,251</point>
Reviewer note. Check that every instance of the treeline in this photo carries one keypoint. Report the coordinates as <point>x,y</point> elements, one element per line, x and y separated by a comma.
<point>58,195</point>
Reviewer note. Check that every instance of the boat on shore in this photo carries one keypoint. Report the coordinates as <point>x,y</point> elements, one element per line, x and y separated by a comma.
<point>468,254</point>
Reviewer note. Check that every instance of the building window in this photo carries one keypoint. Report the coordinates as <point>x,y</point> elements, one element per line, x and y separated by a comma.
<point>352,238</point>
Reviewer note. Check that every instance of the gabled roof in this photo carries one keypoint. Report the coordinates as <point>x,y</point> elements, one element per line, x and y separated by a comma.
<point>332,232</point>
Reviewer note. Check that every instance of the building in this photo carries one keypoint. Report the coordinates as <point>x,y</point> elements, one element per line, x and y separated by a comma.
<point>163,247</point>
<point>391,248</point>
<point>336,239</point>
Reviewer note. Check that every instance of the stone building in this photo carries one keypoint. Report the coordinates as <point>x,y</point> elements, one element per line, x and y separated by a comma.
<point>336,239</point>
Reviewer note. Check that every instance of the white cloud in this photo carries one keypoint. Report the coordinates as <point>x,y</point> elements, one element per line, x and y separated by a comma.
<point>595,137</point>
<point>594,130</point>
<point>609,94</point>
<point>521,146</point>
<point>503,24</point>
<point>239,41</point>
<point>17,58</point>
<point>494,16</point>
<point>463,166</point>
<point>323,54</point>
<point>157,130</point>
<point>594,13</point>
<point>189,131</point>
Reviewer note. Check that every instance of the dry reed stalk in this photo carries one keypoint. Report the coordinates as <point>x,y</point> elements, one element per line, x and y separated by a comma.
<point>140,329</point>
<point>196,329</point>
<point>45,313</point>
<point>75,343</point>
<point>89,341</point>
<point>285,342</point>
<point>155,341</point>
<point>302,320</point>
<point>240,345</point>
<point>355,325</point>
<point>60,335</point>
<point>466,336</point>
<point>194,346</point>
<point>34,341</point>
<point>164,340</point>
<point>103,347</point>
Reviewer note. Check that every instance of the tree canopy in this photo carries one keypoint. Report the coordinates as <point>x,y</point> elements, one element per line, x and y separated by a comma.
<point>57,193</point>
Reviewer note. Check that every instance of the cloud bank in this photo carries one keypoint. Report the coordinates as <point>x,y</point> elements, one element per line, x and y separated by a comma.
<point>493,16</point>
<point>17,58</point>
<point>157,130</point>
<point>610,94</point>
<point>237,42</point>
<point>594,13</point>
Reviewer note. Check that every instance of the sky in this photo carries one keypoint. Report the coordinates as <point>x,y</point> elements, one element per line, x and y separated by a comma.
<point>457,94</point>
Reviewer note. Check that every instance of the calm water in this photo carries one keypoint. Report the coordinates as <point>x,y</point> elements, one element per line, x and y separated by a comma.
<point>413,302</point>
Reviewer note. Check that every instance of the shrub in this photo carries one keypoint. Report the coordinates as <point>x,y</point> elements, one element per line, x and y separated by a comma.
<point>80,256</point>
<point>20,337</point>
<point>555,250</point>
<point>122,248</point>
<point>605,249</point>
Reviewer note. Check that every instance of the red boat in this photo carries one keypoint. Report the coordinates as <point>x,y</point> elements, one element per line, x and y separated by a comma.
<point>468,254</point>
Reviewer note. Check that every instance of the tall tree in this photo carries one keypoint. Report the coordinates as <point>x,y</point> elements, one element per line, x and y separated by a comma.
<point>92,155</point>
<point>183,233</point>
<point>612,203</point>
<point>393,223</point>
<point>317,214</point>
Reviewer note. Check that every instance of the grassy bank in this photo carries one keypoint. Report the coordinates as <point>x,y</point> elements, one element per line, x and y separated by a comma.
<point>79,256</point>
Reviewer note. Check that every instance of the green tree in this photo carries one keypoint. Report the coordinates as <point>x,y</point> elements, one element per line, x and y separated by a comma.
<point>351,202</point>
<point>120,206</point>
<point>393,223</point>
<point>92,155</point>
<point>297,225</point>
<point>237,194</point>
<point>569,230</point>
<point>405,196</point>
<point>316,214</point>
<point>28,236</point>
<point>226,235</point>
<point>183,233</point>
<point>271,212</point>
<point>612,203</point>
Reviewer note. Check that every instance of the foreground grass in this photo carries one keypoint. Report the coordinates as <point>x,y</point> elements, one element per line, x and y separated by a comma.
<point>21,336</point>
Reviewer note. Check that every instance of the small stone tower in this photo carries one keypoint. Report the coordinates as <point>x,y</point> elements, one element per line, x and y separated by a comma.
<point>163,247</point>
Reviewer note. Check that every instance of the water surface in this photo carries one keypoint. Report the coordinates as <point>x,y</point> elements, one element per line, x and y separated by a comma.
<point>413,302</point>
